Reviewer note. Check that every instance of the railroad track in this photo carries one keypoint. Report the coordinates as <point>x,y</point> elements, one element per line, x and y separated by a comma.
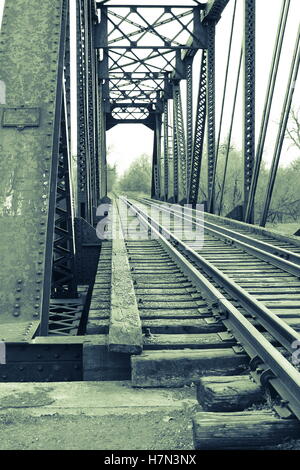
<point>268,272</point>
<point>205,321</point>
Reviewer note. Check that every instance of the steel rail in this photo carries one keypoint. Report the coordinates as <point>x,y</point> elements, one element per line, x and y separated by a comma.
<point>273,324</point>
<point>279,257</point>
<point>240,225</point>
<point>278,371</point>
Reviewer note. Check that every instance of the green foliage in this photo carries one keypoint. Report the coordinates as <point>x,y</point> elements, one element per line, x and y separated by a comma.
<point>285,205</point>
<point>138,176</point>
<point>233,181</point>
<point>112,177</point>
<point>293,130</point>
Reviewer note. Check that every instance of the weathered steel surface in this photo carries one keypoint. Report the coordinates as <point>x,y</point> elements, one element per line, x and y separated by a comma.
<point>30,67</point>
<point>50,361</point>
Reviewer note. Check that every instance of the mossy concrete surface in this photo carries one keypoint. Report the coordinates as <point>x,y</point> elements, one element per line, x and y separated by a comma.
<point>95,416</point>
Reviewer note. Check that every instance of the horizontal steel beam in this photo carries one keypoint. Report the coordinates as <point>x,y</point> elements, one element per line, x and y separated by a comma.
<point>202,6</point>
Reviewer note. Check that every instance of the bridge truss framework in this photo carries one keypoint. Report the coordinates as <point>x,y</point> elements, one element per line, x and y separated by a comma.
<point>129,70</point>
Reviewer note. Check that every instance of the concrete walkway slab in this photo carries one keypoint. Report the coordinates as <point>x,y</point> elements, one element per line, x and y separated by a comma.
<point>91,398</point>
<point>95,415</point>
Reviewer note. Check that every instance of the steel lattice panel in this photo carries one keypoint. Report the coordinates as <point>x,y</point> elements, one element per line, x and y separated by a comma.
<point>139,52</point>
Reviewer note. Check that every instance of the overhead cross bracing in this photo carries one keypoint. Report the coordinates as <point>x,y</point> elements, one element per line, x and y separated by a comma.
<point>142,48</point>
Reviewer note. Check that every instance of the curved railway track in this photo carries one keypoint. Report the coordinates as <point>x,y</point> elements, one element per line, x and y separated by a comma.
<point>227,308</point>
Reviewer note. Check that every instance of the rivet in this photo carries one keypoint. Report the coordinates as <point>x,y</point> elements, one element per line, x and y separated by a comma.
<point>36,314</point>
<point>17,306</point>
<point>16,314</point>
<point>19,281</point>
<point>36,305</point>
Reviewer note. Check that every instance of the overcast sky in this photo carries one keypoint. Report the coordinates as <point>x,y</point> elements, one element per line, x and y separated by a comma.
<point>126,142</point>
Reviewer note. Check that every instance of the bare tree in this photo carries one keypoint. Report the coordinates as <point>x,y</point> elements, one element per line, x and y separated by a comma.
<point>293,130</point>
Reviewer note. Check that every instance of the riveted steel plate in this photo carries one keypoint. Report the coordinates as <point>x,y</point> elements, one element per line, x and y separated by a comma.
<point>21,331</point>
<point>21,117</point>
<point>31,69</point>
<point>28,362</point>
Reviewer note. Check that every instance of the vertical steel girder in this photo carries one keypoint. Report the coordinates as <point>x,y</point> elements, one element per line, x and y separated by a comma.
<point>31,66</point>
<point>88,181</point>
<point>84,197</point>
<point>102,166</point>
<point>189,118</point>
<point>211,118</point>
<point>199,134</point>
<point>156,188</point>
<point>180,143</point>
<point>91,98</point>
<point>166,150</point>
<point>175,158</point>
<point>67,75</point>
<point>249,99</point>
<point>98,143</point>
<point>267,106</point>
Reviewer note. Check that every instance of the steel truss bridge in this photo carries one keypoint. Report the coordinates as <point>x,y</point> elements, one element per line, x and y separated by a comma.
<point>132,63</point>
